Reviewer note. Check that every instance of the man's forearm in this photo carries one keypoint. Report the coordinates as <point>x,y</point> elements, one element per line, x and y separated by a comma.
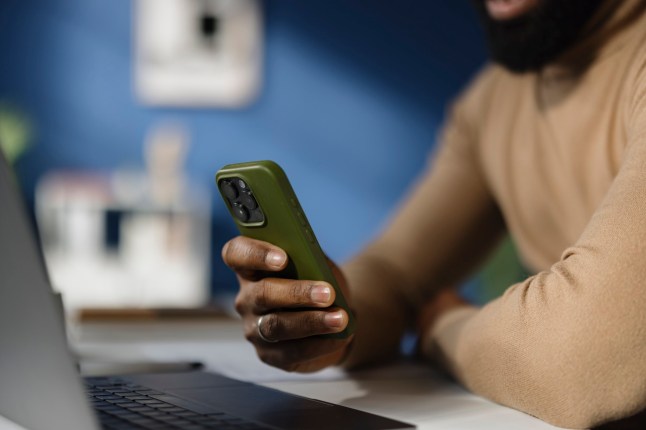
<point>539,351</point>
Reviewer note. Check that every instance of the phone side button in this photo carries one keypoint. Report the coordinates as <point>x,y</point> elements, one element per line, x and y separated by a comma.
<point>309,235</point>
<point>301,218</point>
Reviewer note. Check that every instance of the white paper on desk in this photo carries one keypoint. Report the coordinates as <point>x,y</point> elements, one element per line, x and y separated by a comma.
<point>231,358</point>
<point>239,360</point>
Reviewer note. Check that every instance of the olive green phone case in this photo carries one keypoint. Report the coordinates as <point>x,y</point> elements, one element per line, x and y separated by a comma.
<point>284,224</point>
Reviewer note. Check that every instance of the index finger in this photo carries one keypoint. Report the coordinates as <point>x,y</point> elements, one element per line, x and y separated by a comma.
<point>245,254</point>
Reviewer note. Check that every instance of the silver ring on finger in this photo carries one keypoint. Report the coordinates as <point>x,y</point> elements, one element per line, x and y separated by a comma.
<point>259,329</point>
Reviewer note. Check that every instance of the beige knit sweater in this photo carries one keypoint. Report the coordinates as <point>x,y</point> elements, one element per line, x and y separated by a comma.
<point>558,158</point>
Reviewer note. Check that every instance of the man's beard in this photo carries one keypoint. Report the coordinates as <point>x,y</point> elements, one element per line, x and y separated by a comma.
<point>538,37</point>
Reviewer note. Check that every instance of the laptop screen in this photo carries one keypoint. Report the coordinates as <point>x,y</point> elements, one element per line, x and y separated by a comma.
<point>40,388</point>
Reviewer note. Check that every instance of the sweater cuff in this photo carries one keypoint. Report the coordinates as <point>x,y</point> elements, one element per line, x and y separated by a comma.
<point>441,342</point>
<point>453,317</point>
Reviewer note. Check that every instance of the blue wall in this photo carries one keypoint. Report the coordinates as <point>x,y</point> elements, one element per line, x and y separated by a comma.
<point>353,94</point>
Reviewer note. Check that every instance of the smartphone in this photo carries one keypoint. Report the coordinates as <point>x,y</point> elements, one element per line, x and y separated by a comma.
<point>264,206</point>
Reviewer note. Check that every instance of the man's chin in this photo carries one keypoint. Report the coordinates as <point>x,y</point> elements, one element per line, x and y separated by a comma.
<point>502,10</point>
<point>526,35</point>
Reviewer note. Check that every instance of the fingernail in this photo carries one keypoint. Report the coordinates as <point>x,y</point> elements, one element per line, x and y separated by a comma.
<point>334,319</point>
<point>321,294</point>
<point>275,259</point>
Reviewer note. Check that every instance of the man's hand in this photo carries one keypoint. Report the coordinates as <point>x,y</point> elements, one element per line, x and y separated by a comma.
<point>292,313</point>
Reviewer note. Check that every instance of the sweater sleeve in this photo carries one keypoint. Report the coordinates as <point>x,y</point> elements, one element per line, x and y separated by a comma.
<point>568,345</point>
<point>445,226</point>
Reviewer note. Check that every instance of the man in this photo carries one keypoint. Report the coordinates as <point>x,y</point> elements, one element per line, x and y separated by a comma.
<point>549,144</point>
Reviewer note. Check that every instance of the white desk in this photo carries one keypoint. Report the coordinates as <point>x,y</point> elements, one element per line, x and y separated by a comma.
<point>408,392</point>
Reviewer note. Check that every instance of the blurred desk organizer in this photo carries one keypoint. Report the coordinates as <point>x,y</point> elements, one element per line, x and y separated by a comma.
<point>127,239</point>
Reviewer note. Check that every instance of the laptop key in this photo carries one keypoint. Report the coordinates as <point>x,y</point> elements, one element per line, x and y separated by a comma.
<point>118,401</point>
<point>108,397</point>
<point>147,400</point>
<point>149,392</point>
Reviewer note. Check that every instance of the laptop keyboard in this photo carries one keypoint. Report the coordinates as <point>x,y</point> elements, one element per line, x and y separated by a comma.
<point>124,406</point>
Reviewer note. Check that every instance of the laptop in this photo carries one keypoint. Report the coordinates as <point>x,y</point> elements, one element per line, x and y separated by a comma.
<point>40,387</point>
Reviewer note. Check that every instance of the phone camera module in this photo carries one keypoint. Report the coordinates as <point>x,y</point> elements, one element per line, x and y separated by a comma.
<point>241,201</point>
<point>241,212</point>
<point>229,190</point>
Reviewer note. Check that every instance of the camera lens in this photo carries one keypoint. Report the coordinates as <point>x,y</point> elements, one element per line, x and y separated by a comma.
<point>229,190</point>
<point>248,201</point>
<point>241,212</point>
<point>242,184</point>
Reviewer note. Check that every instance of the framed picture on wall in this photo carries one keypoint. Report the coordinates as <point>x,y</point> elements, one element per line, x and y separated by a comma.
<point>197,53</point>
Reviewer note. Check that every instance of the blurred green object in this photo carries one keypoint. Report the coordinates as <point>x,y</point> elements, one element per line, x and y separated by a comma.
<point>16,132</point>
<point>502,271</point>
